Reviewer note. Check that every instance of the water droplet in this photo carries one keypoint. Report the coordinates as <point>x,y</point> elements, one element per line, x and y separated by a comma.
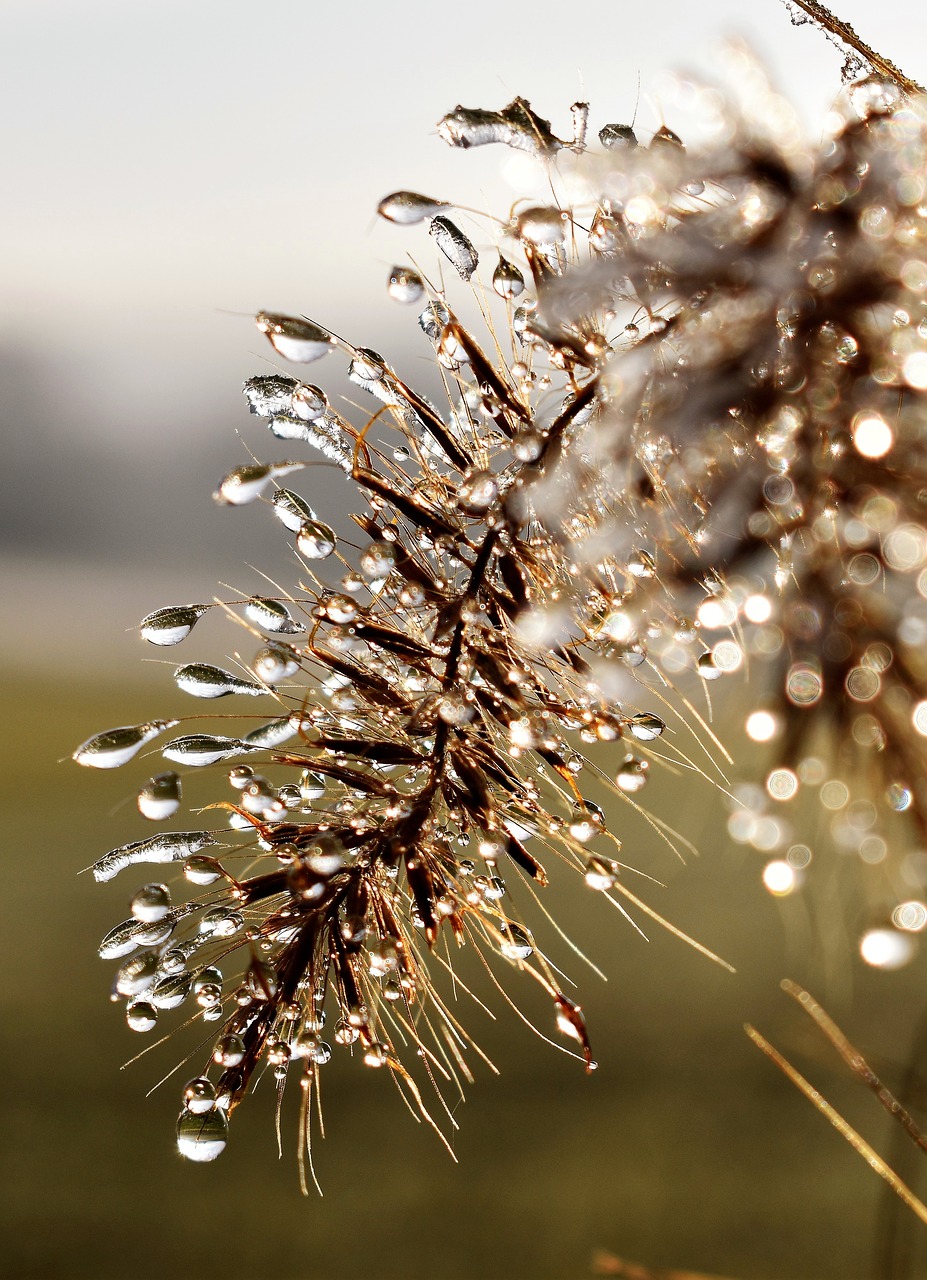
<point>171,624</point>
<point>199,1095</point>
<point>601,873</point>
<point>707,667</point>
<point>170,992</point>
<point>229,1051</point>
<point>516,944</point>
<point>274,663</point>
<point>291,510</point>
<point>246,484</point>
<point>205,681</point>
<point>151,902</point>
<point>507,280</point>
<point>632,775</point>
<point>116,747</point>
<point>378,560</point>
<point>541,225</point>
<point>141,1016</point>
<point>477,491</point>
<point>199,749</point>
<point>408,207</point>
<point>405,285</point>
<point>202,1137</point>
<point>315,541</point>
<point>646,726</point>
<point>160,797</point>
<point>295,339</point>
<point>137,974</point>
<point>201,871</point>
<point>376,1054</point>
<point>272,615</point>
<point>273,734</point>
<point>617,137</point>
<point>309,402</point>
<point>166,846</point>
<point>455,246</point>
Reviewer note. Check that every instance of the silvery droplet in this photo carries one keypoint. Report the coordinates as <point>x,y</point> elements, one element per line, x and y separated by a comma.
<point>646,726</point>
<point>434,320</point>
<point>455,246</point>
<point>516,944</point>
<point>294,338</point>
<point>408,207</point>
<point>378,560</point>
<point>199,1095</point>
<point>315,540</point>
<point>477,492</point>
<point>617,137</point>
<point>171,624</point>
<point>309,402</point>
<point>131,934</point>
<point>150,903</point>
<point>229,1051</point>
<point>405,285</point>
<point>202,1137</point>
<point>541,224</point>
<point>272,615</point>
<point>141,1016</point>
<point>200,870</point>
<point>269,394</point>
<point>311,786</point>
<point>137,974</point>
<point>205,681</point>
<point>166,846</point>
<point>203,749</point>
<point>291,510</point>
<point>707,667</point>
<point>273,734</point>
<point>160,797</point>
<point>116,747</point>
<point>245,484</point>
<point>170,993</point>
<point>507,280</point>
<point>275,662</point>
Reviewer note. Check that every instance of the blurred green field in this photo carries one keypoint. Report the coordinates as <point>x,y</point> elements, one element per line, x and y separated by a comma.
<point>685,1148</point>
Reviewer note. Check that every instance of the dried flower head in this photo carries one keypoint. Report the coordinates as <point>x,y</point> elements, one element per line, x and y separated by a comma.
<point>693,410</point>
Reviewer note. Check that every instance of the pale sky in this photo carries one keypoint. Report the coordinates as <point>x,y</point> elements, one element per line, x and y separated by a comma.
<point>171,166</point>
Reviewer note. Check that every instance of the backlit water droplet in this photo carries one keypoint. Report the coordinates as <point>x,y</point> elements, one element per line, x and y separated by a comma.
<point>116,747</point>
<point>202,1137</point>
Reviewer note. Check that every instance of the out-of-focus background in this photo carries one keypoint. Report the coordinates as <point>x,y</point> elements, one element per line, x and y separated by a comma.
<point>166,171</point>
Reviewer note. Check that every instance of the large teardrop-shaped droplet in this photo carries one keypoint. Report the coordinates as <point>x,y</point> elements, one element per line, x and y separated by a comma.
<point>408,207</point>
<point>114,747</point>
<point>294,338</point>
<point>272,615</point>
<point>171,624</point>
<point>204,748</point>
<point>205,681</point>
<point>507,280</point>
<point>245,484</point>
<point>202,1137</point>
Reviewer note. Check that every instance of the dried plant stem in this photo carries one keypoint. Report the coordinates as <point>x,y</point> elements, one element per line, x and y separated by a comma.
<point>855,1061</point>
<point>844,32</point>
<point>856,1140</point>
